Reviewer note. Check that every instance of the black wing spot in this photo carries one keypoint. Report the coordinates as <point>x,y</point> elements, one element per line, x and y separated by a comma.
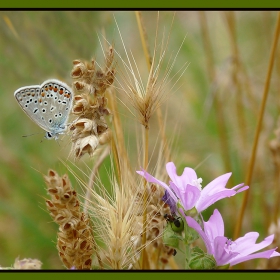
<point>35,110</point>
<point>44,110</point>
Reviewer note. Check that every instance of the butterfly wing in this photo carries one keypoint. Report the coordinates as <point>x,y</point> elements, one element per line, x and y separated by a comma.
<point>48,105</point>
<point>28,99</point>
<point>56,99</point>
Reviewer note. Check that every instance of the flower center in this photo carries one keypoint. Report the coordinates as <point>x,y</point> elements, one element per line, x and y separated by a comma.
<point>197,183</point>
<point>228,244</point>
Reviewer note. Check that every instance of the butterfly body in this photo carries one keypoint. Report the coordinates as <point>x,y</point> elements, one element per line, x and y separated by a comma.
<point>48,105</point>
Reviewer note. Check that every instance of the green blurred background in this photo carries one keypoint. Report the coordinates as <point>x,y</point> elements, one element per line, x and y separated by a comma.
<point>38,45</point>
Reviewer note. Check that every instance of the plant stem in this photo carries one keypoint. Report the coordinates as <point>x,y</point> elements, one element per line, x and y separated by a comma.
<point>187,248</point>
<point>145,199</point>
<point>144,40</point>
<point>231,24</point>
<point>217,102</point>
<point>258,129</point>
<point>93,175</point>
<point>148,57</point>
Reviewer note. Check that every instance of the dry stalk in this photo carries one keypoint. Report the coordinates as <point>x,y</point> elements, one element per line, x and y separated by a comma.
<point>146,99</point>
<point>218,106</point>
<point>116,223</point>
<point>259,126</point>
<point>274,146</point>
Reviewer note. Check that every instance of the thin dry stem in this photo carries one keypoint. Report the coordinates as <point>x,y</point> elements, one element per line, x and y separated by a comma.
<point>222,127</point>
<point>259,126</point>
<point>145,197</point>
<point>93,174</point>
<point>241,120</point>
<point>144,38</point>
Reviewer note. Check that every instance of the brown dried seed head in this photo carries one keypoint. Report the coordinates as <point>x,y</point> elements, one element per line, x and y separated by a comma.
<point>91,84</point>
<point>85,145</point>
<point>75,239</point>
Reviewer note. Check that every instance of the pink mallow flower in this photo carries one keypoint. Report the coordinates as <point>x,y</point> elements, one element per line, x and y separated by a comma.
<point>187,190</point>
<point>225,251</point>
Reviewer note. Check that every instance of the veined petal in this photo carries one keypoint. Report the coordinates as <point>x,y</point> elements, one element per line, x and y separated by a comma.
<point>247,244</point>
<point>188,196</point>
<point>152,179</point>
<point>216,185</point>
<point>180,181</point>
<point>206,200</point>
<point>194,224</point>
<point>221,255</point>
<point>239,188</point>
<point>265,254</point>
<point>215,226</point>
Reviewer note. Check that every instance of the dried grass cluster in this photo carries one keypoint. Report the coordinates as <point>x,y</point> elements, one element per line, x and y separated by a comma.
<point>75,241</point>
<point>116,222</point>
<point>90,128</point>
<point>157,252</point>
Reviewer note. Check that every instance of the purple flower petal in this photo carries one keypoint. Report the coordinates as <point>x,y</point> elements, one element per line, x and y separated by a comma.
<point>216,190</point>
<point>238,188</point>
<point>216,185</point>
<point>152,179</point>
<point>170,201</point>
<point>186,189</point>
<point>222,256</point>
<point>194,224</point>
<point>265,254</point>
<point>205,201</point>
<point>215,226</point>
<point>188,196</point>
<point>180,181</point>
<point>247,243</point>
<point>230,252</point>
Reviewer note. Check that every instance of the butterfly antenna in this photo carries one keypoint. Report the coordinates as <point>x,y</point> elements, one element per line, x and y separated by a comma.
<point>57,141</point>
<point>32,134</point>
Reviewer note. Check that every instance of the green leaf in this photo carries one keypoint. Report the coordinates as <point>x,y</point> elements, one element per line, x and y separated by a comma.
<point>201,260</point>
<point>170,238</point>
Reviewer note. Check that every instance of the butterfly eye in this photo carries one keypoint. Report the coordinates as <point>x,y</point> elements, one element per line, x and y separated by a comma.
<point>49,135</point>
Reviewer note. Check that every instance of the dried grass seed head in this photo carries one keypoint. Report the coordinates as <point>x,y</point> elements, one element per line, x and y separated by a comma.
<point>90,129</point>
<point>75,239</point>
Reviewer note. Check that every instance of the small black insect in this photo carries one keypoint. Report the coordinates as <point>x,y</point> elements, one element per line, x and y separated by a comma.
<point>176,222</point>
